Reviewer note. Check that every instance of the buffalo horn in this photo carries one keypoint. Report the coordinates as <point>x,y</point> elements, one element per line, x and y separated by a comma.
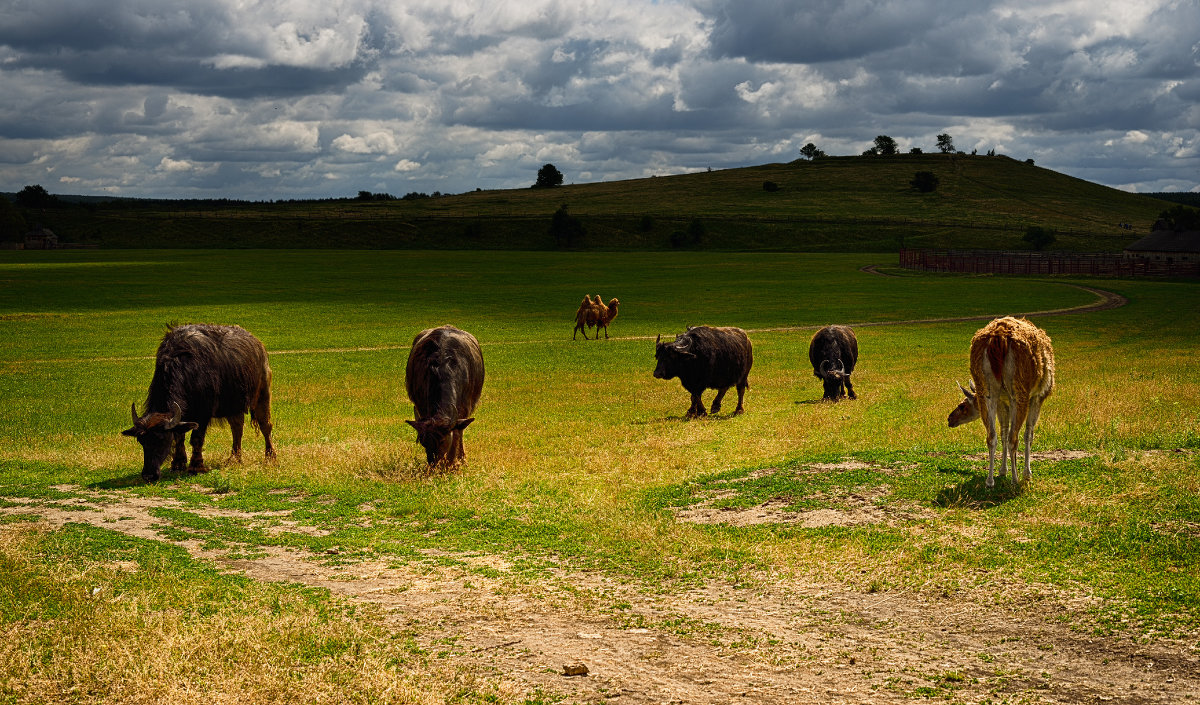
<point>133,410</point>
<point>178,415</point>
<point>658,339</point>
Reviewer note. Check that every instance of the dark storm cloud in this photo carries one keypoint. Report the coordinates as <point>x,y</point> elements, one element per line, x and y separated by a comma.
<point>285,98</point>
<point>821,30</point>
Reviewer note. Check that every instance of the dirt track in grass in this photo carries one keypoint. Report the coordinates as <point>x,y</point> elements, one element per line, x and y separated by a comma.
<point>777,641</point>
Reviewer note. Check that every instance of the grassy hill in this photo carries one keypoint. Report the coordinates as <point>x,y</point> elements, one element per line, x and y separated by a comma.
<point>832,204</point>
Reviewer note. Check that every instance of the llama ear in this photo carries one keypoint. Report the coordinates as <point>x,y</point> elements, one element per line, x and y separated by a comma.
<point>970,394</point>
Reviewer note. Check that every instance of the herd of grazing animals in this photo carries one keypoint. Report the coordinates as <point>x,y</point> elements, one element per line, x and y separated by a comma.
<point>205,372</point>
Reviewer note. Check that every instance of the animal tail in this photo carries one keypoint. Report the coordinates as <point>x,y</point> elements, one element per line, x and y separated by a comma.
<point>997,351</point>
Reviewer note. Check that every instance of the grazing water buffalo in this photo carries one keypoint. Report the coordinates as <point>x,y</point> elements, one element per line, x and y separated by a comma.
<point>202,372</point>
<point>707,358</point>
<point>833,353</point>
<point>444,379</point>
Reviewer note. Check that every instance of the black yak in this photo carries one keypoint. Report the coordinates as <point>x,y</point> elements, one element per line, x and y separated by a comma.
<point>833,353</point>
<point>707,358</point>
<point>444,379</point>
<point>201,373</point>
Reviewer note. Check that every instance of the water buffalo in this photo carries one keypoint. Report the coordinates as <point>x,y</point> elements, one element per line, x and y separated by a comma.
<point>444,379</point>
<point>201,373</point>
<point>707,358</point>
<point>833,353</point>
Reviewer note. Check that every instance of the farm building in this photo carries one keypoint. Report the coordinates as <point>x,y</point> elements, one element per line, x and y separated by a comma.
<point>41,239</point>
<point>1166,245</point>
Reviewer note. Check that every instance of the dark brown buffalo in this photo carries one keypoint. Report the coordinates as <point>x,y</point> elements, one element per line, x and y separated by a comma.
<point>833,353</point>
<point>707,358</point>
<point>201,373</point>
<point>444,379</point>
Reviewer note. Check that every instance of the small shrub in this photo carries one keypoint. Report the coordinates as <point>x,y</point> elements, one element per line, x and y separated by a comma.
<point>770,186</point>
<point>1038,236</point>
<point>924,181</point>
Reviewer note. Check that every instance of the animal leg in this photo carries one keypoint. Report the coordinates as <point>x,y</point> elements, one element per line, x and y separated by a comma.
<point>1020,418</point>
<point>697,409</point>
<point>458,452</point>
<point>850,388</point>
<point>605,332</point>
<point>197,465</point>
<point>1004,415</point>
<point>1035,409</point>
<point>261,415</point>
<point>987,414</point>
<point>179,459</point>
<point>741,390</point>
<point>716,405</point>
<point>237,423</point>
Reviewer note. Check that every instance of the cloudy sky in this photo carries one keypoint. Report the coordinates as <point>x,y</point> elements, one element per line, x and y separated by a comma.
<point>266,99</point>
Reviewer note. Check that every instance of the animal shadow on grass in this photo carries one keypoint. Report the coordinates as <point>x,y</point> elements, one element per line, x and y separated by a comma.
<point>119,483</point>
<point>972,492</point>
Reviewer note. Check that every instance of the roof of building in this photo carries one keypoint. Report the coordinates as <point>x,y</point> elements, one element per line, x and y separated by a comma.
<point>1167,241</point>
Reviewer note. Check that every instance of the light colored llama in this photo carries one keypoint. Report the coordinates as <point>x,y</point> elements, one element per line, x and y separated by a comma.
<point>1012,374</point>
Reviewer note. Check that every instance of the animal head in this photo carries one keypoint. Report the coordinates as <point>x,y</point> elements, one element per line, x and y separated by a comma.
<point>833,376</point>
<point>436,436</point>
<point>671,355</point>
<point>614,302</point>
<point>157,432</point>
<point>967,410</point>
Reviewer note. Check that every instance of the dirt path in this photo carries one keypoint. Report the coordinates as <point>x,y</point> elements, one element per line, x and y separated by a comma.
<point>778,642</point>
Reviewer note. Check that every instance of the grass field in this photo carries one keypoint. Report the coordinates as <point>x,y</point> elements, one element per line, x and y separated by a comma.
<point>579,461</point>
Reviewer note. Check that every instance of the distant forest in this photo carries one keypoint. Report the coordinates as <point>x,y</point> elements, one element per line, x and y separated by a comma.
<point>1187,198</point>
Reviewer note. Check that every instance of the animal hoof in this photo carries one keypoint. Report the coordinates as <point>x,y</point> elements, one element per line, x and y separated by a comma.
<point>197,469</point>
<point>150,477</point>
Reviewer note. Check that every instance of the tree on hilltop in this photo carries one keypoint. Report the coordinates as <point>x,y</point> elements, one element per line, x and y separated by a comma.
<point>548,177</point>
<point>945,143</point>
<point>810,152</point>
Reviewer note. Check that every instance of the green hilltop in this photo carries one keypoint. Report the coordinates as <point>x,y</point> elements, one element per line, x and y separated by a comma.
<point>831,204</point>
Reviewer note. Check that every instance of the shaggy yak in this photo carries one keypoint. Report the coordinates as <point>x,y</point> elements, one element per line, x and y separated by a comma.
<point>594,313</point>
<point>1012,374</point>
<point>201,373</point>
<point>707,358</point>
<point>444,379</point>
<point>833,353</point>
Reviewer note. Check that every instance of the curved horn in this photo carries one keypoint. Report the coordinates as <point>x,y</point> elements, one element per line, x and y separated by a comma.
<point>178,415</point>
<point>825,365</point>
<point>658,339</point>
<point>133,410</point>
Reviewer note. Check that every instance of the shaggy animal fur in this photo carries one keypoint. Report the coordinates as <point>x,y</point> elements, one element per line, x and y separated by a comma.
<point>707,358</point>
<point>201,373</point>
<point>585,316</point>
<point>1012,375</point>
<point>833,352</point>
<point>444,379</point>
<point>605,315</point>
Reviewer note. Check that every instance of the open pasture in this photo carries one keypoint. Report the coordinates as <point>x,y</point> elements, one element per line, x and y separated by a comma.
<point>800,549</point>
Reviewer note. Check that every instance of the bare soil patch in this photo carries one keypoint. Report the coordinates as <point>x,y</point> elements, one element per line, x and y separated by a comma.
<point>786,640</point>
<point>1047,455</point>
